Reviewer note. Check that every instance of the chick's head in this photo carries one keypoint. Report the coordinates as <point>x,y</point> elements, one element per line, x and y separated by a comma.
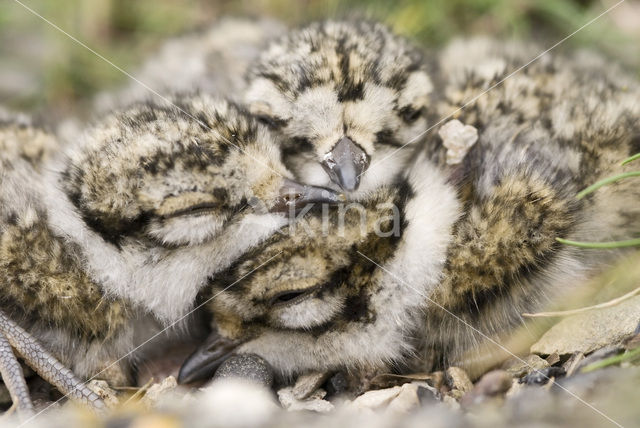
<point>176,174</point>
<point>345,94</point>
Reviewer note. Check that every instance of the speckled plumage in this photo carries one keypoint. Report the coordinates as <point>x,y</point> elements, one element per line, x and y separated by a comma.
<point>45,287</point>
<point>104,242</point>
<point>545,134</point>
<point>350,313</point>
<point>335,79</point>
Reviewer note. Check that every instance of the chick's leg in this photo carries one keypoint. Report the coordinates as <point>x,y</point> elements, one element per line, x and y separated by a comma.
<point>13,378</point>
<point>47,366</point>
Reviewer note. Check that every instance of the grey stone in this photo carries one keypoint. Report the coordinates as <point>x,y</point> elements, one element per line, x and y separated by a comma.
<point>246,366</point>
<point>542,376</point>
<point>493,384</point>
<point>591,330</point>
<point>375,399</point>
<point>158,390</point>
<point>315,402</point>
<point>519,367</point>
<point>308,383</point>
<point>458,379</point>
<point>406,400</point>
<point>337,384</point>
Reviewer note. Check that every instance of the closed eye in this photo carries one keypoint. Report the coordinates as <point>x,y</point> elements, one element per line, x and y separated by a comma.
<point>194,210</point>
<point>290,297</point>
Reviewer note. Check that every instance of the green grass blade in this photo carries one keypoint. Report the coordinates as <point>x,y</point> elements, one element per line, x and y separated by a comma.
<point>606,181</point>
<point>614,244</point>
<point>616,359</point>
<point>631,159</point>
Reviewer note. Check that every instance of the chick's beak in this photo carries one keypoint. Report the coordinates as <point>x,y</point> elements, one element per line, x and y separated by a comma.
<point>345,163</point>
<point>204,361</point>
<point>295,196</point>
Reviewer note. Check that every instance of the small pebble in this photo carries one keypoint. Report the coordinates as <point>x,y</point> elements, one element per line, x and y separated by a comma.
<point>376,399</point>
<point>315,402</point>
<point>458,138</point>
<point>308,383</point>
<point>246,366</point>
<point>493,384</point>
<point>427,393</point>
<point>553,359</point>
<point>542,376</point>
<point>520,367</point>
<point>426,396</point>
<point>337,384</point>
<point>406,400</point>
<point>105,392</point>
<point>156,391</point>
<point>458,379</point>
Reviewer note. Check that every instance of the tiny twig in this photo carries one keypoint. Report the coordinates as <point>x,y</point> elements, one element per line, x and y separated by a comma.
<point>576,360</point>
<point>603,305</point>
<point>140,391</point>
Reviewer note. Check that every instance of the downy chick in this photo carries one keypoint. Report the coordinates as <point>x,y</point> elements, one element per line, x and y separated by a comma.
<point>345,94</point>
<point>477,246</point>
<point>212,60</point>
<point>547,132</point>
<point>120,232</point>
<point>319,302</point>
<point>24,150</point>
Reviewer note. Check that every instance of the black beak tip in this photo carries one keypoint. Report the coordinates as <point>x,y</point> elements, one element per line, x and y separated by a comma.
<point>185,375</point>
<point>196,368</point>
<point>205,360</point>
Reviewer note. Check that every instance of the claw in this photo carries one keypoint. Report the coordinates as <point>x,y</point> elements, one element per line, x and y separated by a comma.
<point>47,366</point>
<point>13,378</point>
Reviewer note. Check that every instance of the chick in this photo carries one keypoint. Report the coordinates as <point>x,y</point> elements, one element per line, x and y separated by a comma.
<point>212,60</point>
<point>545,133</point>
<point>103,245</point>
<point>477,240</point>
<point>345,93</point>
<point>24,151</point>
<point>320,302</point>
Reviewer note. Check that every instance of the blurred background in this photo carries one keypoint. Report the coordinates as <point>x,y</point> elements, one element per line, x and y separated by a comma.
<point>41,68</point>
